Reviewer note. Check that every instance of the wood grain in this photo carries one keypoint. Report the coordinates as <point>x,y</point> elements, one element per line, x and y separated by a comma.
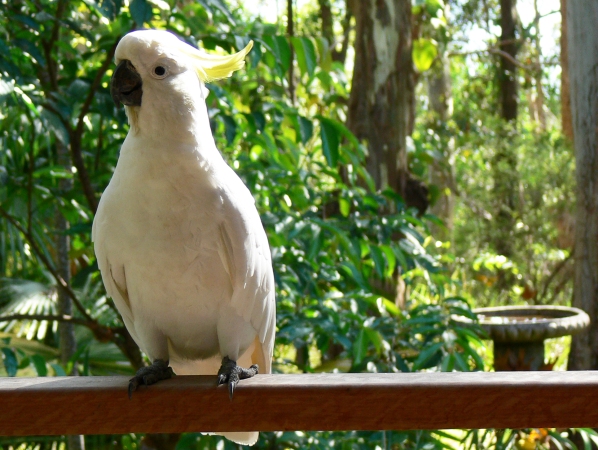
<point>99,405</point>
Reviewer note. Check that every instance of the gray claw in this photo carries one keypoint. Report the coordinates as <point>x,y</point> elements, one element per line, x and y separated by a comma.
<point>159,370</point>
<point>230,372</point>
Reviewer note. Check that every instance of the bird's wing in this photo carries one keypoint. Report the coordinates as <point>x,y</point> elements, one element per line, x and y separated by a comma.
<point>113,275</point>
<point>245,253</point>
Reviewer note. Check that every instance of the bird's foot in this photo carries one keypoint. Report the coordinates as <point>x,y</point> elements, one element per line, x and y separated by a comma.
<point>231,373</point>
<point>159,370</point>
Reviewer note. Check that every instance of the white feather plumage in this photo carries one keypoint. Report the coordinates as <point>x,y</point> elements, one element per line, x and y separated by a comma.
<point>178,239</point>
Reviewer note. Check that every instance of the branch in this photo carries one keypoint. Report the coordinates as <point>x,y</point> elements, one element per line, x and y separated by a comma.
<point>47,46</point>
<point>556,11</point>
<point>554,273</point>
<point>496,51</point>
<point>47,263</point>
<point>509,57</point>
<point>77,133</point>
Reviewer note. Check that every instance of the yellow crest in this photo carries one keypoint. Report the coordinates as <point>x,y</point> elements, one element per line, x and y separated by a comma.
<point>214,67</point>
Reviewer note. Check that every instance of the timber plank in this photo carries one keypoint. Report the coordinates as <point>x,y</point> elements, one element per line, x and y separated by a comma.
<point>404,401</point>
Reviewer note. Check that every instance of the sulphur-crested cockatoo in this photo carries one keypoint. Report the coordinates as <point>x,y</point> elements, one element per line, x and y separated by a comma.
<point>178,239</point>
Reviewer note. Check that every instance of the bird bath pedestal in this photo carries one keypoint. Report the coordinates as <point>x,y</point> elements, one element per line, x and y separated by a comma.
<point>518,332</point>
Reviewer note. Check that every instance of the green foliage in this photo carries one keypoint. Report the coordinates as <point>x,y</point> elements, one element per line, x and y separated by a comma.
<point>340,248</point>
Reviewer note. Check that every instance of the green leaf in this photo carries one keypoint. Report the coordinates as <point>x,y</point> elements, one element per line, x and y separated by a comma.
<point>341,130</point>
<point>281,49</point>
<point>344,206</point>
<point>460,362</point>
<point>391,307</point>
<point>424,53</point>
<point>378,258</point>
<point>284,51</point>
<point>349,269</point>
<point>230,128</point>
<point>325,54</point>
<point>427,355</point>
<point>141,11</point>
<point>10,361</point>
<point>259,120</point>
<point>31,49</point>
<point>27,21</point>
<point>306,55</point>
<point>221,6</point>
<point>330,141</point>
<point>110,8</point>
<point>360,347</point>
<point>53,172</point>
<point>58,370</point>
<point>40,365</point>
<point>375,337</point>
<point>5,89</point>
<point>306,129</point>
<point>391,260</point>
<point>53,122</point>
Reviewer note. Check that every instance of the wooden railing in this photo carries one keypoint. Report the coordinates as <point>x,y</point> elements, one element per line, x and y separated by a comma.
<point>99,405</point>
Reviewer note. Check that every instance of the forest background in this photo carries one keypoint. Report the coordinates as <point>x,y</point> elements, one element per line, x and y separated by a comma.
<point>410,159</point>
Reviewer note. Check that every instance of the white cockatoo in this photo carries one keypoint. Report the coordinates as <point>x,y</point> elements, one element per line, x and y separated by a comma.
<point>178,239</point>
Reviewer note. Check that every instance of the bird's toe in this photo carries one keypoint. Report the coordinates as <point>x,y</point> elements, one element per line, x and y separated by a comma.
<point>159,370</point>
<point>231,373</point>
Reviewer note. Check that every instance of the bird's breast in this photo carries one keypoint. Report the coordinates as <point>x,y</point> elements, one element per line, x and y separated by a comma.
<point>160,221</point>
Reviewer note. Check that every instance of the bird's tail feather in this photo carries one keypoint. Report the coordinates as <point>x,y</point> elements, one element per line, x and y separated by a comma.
<point>239,437</point>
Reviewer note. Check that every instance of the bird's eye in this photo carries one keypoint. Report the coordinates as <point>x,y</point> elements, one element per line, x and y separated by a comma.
<point>159,71</point>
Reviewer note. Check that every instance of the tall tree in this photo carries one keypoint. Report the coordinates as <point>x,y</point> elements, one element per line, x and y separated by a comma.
<point>327,24</point>
<point>508,67</point>
<point>582,17</point>
<point>504,162</point>
<point>442,171</point>
<point>540,97</point>
<point>382,94</point>
<point>566,116</point>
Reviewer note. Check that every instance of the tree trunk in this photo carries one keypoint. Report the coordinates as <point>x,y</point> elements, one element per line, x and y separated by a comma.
<point>442,172</point>
<point>382,93</point>
<point>540,98</point>
<point>291,34</point>
<point>504,161</point>
<point>566,116</point>
<point>582,16</point>
<point>66,331</point>
<point>327,22</point>
<point>508,69</point>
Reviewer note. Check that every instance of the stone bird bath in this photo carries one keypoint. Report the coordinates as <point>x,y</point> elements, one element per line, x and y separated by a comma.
<point>518,332</point>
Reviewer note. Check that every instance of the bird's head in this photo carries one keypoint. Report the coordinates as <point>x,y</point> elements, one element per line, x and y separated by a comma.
<point>158,75</point>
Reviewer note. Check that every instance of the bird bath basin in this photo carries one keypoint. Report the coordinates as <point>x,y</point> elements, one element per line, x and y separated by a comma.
<point>518,332</point>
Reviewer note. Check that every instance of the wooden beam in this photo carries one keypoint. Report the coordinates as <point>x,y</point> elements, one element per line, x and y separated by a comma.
<point>99,405</point>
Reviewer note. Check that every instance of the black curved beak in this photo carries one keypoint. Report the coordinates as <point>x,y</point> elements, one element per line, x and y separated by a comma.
<point>125,85</point>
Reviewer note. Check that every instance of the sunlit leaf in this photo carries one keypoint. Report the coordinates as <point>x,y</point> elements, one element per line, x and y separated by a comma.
<point>344,206</point>
<point>424,53</point>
